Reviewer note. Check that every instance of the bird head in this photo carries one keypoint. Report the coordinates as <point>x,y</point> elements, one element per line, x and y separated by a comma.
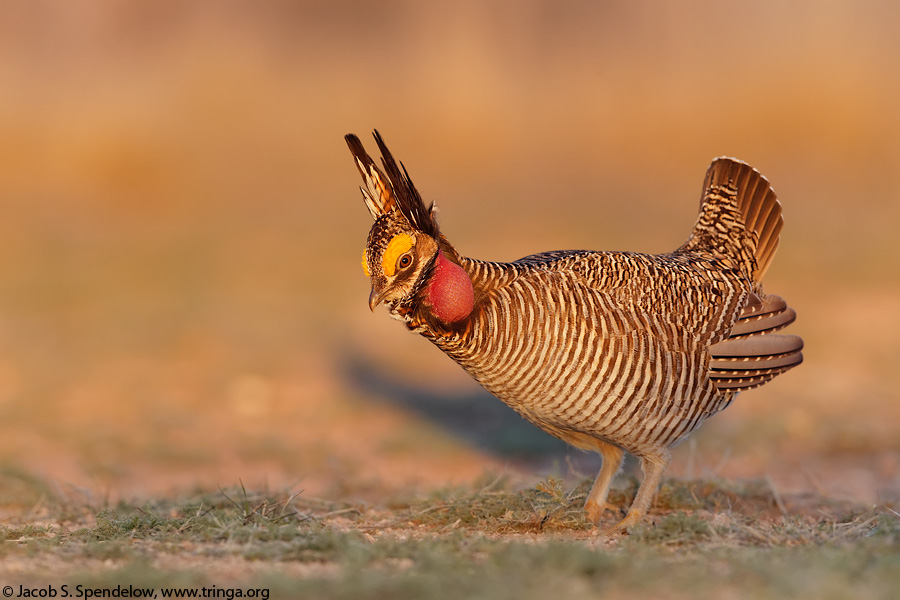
<point>395,258</point>
<point>407,259</point>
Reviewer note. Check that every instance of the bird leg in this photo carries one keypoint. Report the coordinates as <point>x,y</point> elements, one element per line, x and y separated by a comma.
<point>612,462</point>
<point>653,466</point>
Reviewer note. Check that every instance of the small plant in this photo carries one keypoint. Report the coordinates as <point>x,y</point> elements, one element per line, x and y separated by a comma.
<point>488,540</point>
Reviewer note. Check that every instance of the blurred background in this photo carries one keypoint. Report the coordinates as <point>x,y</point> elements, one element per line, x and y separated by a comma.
<point>181,300</point>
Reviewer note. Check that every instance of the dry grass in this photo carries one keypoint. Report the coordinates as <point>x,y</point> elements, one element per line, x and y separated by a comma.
<point>492,541</point>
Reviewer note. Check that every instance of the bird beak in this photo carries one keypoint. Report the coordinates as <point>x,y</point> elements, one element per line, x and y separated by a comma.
<point>376,296</point>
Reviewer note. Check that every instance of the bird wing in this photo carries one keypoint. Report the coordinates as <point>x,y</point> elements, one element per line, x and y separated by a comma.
<point>674,297</point>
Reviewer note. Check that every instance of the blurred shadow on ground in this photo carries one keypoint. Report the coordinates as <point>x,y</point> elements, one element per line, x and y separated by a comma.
<point>477,417</point>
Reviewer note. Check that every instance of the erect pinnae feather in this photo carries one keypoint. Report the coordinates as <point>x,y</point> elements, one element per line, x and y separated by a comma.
<point>377,193</point>
<point>408,199</point>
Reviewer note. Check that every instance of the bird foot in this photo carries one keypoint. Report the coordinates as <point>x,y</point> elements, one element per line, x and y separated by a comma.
<point>595,511</point>
<point>623,526</point>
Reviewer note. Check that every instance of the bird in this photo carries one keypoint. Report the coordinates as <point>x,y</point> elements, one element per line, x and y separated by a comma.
<point>609,351</point>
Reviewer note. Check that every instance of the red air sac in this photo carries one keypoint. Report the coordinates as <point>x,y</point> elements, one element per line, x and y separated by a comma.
<point>450,291</point>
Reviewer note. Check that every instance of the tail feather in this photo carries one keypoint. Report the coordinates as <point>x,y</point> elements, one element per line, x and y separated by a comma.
<point>740,216</point>
<point>753,355</point>
<point>763,315</point>
<point>751,367</point>
<point>757,202</point>
<point>768,232</point>
<point>740,384</point>
<point>768,347</point>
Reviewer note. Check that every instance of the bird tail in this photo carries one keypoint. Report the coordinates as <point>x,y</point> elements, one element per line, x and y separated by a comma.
<point>753,354</point>
<point>740,217</point>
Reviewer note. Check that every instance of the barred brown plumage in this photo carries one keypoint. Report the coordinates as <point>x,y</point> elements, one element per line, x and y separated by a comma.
<point>609,351</point>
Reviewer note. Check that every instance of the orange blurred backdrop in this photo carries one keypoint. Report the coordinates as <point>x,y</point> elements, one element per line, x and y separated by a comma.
<point>181,302</point>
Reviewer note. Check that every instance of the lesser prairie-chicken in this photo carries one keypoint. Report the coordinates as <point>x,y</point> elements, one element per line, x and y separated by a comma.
<point>608,351</point>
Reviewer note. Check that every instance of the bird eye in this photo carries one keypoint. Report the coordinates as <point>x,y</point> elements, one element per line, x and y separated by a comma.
<point>404,261</point>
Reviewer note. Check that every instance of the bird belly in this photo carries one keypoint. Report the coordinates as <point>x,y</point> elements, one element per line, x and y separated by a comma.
<point>573,376</point>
